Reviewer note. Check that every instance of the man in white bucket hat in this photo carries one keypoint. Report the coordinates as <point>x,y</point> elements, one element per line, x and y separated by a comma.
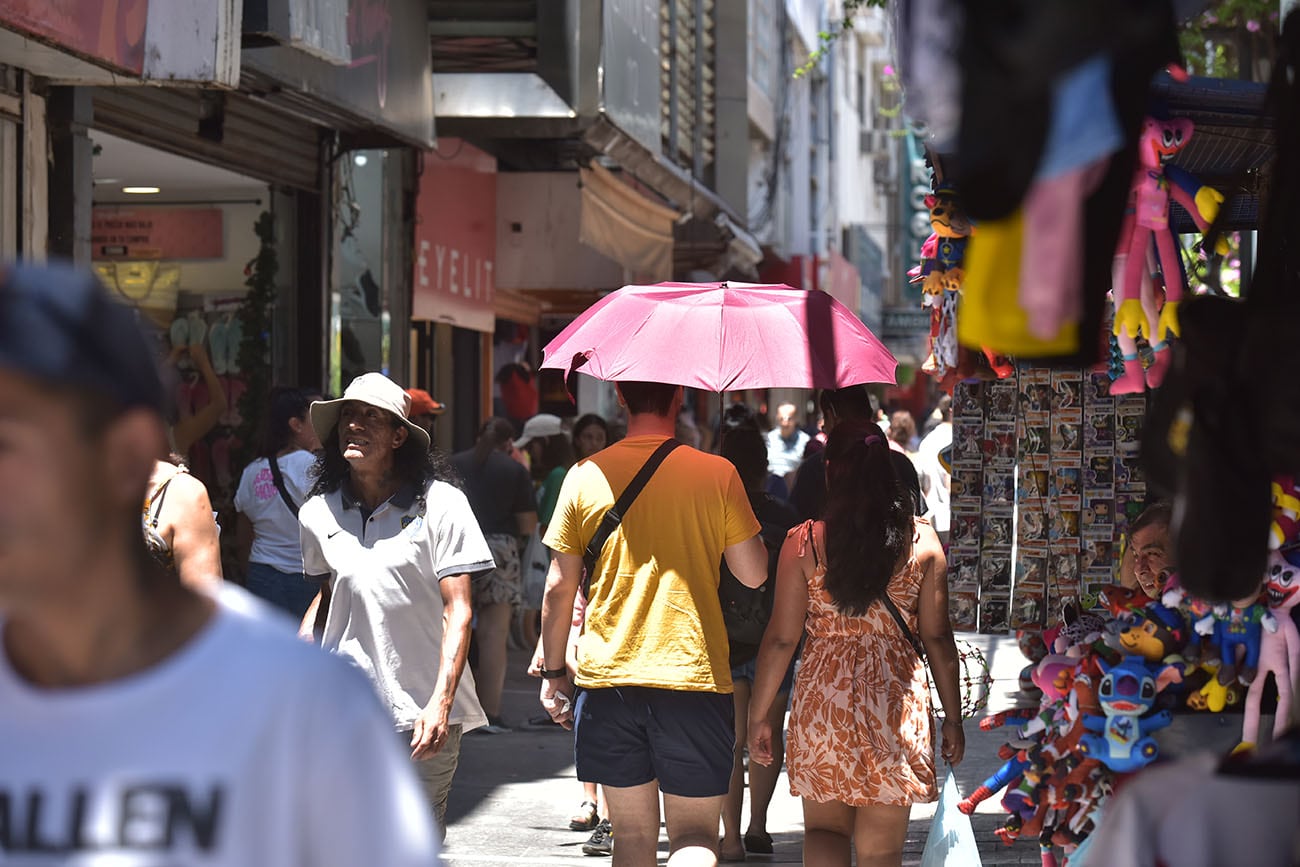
<point>394,545</point>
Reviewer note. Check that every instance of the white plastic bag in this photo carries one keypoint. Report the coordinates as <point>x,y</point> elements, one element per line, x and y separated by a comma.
<point>535,563</point>
<point>951,842</point>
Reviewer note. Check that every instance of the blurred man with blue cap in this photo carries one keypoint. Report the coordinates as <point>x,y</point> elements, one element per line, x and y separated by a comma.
<point>142,720</point>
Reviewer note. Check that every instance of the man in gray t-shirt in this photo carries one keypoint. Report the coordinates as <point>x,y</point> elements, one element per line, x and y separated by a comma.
<point>501,495</point>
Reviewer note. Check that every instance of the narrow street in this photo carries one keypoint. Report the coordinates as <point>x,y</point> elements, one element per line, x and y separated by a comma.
<point>514,792</point>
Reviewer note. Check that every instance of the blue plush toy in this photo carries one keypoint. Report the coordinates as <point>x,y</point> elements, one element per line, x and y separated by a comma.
<point>1121,739</point>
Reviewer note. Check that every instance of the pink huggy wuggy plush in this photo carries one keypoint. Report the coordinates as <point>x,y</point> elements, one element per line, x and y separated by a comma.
<point>1147,220</point>
<point>1279,651</point>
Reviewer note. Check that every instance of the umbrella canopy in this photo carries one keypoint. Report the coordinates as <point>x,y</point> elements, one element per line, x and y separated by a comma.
<point>722,337</point>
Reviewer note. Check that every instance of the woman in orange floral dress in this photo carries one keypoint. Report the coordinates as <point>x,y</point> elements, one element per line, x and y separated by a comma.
<point>860,748</point>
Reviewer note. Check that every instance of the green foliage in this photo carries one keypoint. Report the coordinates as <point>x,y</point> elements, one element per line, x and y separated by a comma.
<point>826,38</point>
<point>1216,42</point>
<point>255,316</point>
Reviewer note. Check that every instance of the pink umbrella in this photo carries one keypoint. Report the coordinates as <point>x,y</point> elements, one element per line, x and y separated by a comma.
<point>722,337</point>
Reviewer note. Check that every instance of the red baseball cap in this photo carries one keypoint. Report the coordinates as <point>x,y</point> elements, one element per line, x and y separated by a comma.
<point>422,403</point>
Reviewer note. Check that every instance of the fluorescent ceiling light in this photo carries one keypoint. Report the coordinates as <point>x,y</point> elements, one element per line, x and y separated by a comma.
<point>360,159</point>
<point>140,191</point>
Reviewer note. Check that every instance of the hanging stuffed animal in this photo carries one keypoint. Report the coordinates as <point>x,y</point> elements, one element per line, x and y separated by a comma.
<point>1121,740</point>
<point>942,277</point>
<point>1237,631</point>
<point>1147,223</point>
<point>1286,512</point>
<point>1279,651</point>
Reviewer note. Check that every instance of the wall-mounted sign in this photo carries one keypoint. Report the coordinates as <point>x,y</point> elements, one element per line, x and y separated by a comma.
<point>456,237</point>
<point>157,233</point>
<point>109,31</point>
<point>915,215</point>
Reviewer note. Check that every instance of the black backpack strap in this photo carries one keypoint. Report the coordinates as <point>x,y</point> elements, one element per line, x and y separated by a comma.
<point>612,518</point>
<point>278,478</point>
<point>902,624</point>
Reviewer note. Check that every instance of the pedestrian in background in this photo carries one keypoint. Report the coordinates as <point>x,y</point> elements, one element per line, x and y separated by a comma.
<point>655,714</point>
<point>590,435</point>
<point>425,410</point>
<point>180,528</point>
<point>392,545</point>
<point>743,445</point>
<point>268,499</point>
<point>501,497</point>
<point>163,725</point>
<point>785,447</point>
<point>550,454</point>
<point>864,583</point>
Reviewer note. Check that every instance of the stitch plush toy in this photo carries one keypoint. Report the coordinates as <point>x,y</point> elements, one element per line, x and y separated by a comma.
<point>1279,650</point>
<point>1147,222</point>
<point>1121,740</point>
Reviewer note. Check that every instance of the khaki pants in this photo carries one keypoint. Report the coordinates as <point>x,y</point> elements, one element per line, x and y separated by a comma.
<point>436,773</point>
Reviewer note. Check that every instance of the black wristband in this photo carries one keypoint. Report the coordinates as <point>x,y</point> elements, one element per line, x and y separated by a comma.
<point>551,674</point>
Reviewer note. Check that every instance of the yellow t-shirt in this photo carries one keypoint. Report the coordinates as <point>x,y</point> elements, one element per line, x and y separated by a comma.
<point>654,618</point>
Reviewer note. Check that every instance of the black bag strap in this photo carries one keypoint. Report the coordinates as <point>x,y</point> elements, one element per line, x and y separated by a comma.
<point>612,518</point>
<point>278,478</point>
<point>902,624</point>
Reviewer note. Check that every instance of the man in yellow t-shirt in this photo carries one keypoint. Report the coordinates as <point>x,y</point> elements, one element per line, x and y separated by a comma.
<point>655,714</point>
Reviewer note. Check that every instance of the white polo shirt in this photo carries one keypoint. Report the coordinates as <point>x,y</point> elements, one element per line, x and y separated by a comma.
<point>385,603</point>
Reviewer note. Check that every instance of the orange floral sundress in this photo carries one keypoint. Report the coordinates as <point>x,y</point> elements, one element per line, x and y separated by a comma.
<point>861,730</point>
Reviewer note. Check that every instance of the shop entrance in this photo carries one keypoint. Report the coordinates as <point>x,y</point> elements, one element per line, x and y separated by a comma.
<point>175,239</point>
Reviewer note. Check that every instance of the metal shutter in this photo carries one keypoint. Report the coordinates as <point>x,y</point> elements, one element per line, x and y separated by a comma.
<point>256,140</point>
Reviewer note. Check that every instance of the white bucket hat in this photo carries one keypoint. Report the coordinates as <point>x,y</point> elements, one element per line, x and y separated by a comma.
<point>539,427</point>
<point>376,390</point>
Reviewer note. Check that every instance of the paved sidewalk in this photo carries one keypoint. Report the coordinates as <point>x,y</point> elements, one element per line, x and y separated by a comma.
<point>514,792</point>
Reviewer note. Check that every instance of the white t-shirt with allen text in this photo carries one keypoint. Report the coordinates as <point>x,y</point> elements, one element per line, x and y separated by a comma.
<point>275,528</point>
<point>384,572</point>
<point>244,747</point>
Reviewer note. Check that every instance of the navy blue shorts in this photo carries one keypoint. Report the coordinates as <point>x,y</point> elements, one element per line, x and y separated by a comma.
<point>632,735</point>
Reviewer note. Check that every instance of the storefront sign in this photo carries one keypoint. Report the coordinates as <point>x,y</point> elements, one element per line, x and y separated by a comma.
<point>915,216</point>
<point>157,233</point>
<point>456,237</point>
<point>388,78</point>
<point>109,31</point>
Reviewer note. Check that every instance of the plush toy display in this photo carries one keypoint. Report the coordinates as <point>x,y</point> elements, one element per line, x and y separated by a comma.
<point>1147,223</point>
<point>1121,740</point>
<point>942,276</point>
<point>1236,631</point>
<point>1279,652</point>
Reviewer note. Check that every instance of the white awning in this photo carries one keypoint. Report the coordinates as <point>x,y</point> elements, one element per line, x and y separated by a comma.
<point>626,226</point>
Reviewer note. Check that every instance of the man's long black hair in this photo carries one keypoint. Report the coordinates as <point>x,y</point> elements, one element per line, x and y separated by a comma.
<point>412,463</point>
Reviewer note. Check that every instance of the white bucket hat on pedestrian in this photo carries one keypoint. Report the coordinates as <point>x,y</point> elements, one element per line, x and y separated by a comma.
<point>376,390</point>
<point>539,427</point>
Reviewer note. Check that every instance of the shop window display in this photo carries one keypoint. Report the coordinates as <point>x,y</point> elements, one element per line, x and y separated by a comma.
<point>361,316</point>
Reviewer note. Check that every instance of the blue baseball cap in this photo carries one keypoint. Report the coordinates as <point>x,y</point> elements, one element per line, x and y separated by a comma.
<point>60,326</point>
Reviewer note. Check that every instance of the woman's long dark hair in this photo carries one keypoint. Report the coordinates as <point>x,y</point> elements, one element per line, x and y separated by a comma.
<point>286,405</point>
<point>868,516</point>
<point>494,433</point>
<point>412,463</point>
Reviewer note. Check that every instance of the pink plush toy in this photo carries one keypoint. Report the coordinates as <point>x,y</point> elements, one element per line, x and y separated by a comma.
<point>1148,220</point>
<point>1279,648</point>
